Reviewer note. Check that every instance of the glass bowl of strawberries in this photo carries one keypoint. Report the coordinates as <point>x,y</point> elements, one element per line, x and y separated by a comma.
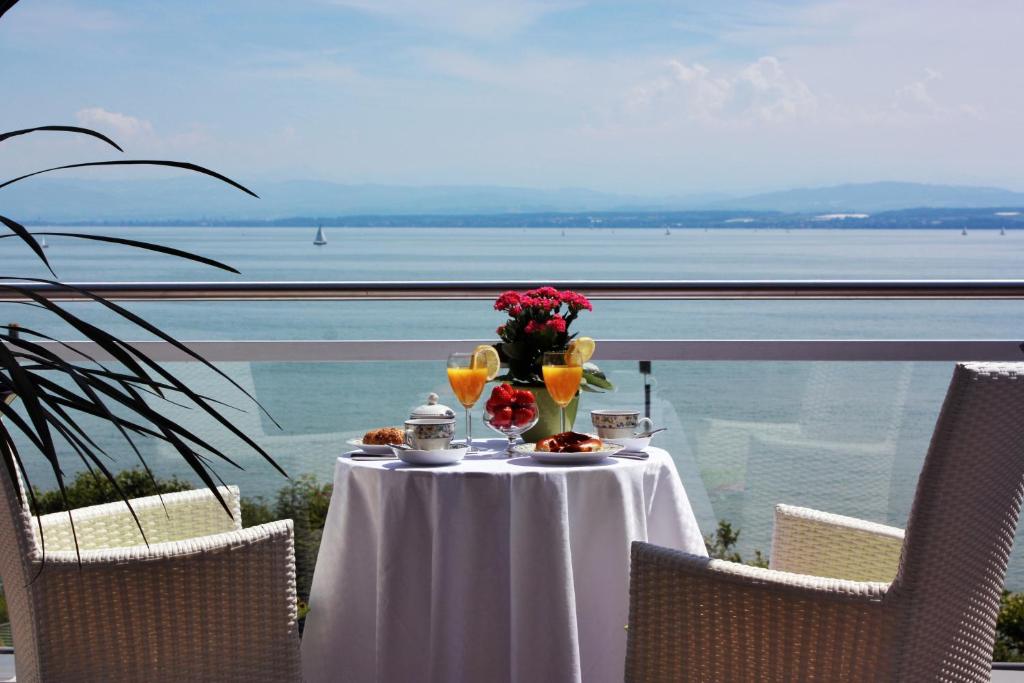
<point>510,411</point>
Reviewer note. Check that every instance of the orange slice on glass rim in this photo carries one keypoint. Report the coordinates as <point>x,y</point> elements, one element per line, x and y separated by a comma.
<point>582,346</point>
<point>486,356</point>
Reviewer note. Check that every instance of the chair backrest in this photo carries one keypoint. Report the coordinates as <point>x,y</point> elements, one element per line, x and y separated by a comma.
<point>961,527</point>
<point>17,548</point>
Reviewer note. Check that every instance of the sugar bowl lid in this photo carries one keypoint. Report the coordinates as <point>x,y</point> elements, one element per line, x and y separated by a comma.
<point>432,409</point>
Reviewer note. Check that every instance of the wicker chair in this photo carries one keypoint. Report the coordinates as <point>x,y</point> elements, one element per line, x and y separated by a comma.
<point>847,600</point>
<point>205,601</point>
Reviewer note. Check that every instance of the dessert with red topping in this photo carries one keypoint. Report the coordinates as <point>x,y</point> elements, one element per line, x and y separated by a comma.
<point>570,442</point>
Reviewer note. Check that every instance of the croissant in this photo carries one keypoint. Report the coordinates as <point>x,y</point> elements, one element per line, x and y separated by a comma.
<point>570,442</point>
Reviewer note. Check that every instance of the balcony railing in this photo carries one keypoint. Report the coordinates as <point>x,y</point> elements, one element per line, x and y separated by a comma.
<point>611,349</point>
<point>711,478</point>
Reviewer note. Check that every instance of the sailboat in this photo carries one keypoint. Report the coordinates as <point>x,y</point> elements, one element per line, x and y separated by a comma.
<point>320,239</point>
<point>667,231</point>
<point>43,243</point>
<point>1002,231</point>
<point>963,231</point>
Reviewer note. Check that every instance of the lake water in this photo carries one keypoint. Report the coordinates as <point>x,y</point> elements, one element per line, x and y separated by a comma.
<point>844,437</point>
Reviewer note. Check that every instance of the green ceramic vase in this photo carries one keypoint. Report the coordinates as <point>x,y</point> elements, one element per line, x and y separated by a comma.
<point>550,421</point>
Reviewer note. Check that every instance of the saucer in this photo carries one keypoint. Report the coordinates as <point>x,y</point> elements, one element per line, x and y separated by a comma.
<point>448,456</point>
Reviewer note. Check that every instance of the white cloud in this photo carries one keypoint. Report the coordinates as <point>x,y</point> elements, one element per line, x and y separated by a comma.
<point>116,124</point>
<point>473,18</point>
<point>760,91</point>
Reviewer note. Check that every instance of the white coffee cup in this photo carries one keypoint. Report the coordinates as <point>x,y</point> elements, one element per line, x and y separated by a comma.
<point>429,434</point>
<point>617,424</point>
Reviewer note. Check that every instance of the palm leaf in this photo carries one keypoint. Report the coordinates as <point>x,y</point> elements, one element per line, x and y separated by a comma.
<point>6,5</point>
<point>64,129</point>
<point>137,244</point>
<point>139,162</point>
<point>25,236</point>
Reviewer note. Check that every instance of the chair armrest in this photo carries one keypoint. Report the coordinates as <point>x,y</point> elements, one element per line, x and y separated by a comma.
<point>806,541</point>
<point>693,618</point>
<point>219,607</point>
<point>170,517</point>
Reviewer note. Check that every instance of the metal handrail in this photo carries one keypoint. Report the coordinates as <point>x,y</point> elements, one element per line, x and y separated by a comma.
<point>307,351</point>
<point>597,289</point>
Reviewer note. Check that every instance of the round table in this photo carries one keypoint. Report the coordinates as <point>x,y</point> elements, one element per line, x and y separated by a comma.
<point>492,569</point>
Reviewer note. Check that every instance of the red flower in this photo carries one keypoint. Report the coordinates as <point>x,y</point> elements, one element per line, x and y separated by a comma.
<point>547,292</point>
<point>557,324</point>
<point>507,300</point>
<point>533,326</point>
<point>500,330</point>
<point>575,301</point>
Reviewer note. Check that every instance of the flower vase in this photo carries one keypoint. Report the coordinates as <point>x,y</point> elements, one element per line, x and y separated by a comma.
<point>550,418</point>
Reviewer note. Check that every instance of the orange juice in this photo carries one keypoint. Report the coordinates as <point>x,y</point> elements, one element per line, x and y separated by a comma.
<point>468,384</point>
<point>562,382</point>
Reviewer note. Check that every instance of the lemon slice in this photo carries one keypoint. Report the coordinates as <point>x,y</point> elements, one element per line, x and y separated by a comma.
<point>485,356</point>
<point>584,346</point>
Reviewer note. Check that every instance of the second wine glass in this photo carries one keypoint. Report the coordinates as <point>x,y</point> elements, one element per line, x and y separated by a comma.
<point>562,372</point>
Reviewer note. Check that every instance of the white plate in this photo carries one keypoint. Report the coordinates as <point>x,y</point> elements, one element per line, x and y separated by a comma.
<point>566,458</point>
<point>449,456</point>
<point>371,448</point>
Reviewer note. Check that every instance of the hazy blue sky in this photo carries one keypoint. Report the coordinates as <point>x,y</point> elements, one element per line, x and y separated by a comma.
<point>642,96</point>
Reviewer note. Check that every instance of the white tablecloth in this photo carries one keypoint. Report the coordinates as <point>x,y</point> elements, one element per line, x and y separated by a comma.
<point>490,570</point>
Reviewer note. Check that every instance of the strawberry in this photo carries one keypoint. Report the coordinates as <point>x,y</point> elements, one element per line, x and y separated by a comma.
<point>492,405</point>
<point>505,392</point>
<point>502,418</point>
<point>523,397</point>
<point>522,416</point>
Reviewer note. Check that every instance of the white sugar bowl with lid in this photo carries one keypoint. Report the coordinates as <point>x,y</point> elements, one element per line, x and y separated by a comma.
<point>432,410</point>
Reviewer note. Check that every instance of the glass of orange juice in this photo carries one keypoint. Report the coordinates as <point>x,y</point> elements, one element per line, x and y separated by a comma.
<point>562,372</point>
<point>467,379</point>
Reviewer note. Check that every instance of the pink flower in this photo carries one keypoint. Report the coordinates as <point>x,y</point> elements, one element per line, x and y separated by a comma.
<point>515,310</point>
<point>507,300</point>
<point>557,324</point>
<point>545,292</point>
<point>533,326</point>
<point>575,301</point>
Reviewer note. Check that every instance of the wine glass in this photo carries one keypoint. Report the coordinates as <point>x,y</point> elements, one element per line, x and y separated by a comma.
<point>467,380</point>
<point>562,372</point>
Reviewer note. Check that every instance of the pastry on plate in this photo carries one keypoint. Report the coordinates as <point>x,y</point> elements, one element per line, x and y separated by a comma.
<point>570,442</point>
<point>384,436</point>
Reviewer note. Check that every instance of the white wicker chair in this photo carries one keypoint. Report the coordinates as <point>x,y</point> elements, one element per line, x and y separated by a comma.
<point>847,600</point>
<point>205,601</point>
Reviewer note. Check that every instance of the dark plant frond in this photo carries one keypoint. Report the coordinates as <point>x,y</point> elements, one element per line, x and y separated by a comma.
<point>62,129</point>
<point>25,236</point>
<point>137,244</point>
<point>6,5</point>
<point>139,162</point>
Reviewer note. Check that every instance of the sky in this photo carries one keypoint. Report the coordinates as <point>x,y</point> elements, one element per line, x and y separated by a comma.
<point>641,97</point>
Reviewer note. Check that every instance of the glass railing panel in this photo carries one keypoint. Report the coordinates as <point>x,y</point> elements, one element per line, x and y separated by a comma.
<point>844,437</point>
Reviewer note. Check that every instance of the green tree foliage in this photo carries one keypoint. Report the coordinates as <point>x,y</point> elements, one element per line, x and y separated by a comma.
<point>721,546</point>
<point>87,489</point>
<point>1010,629</point>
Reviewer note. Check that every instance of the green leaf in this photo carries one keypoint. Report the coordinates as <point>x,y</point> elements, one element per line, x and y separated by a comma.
<point>597,379</point>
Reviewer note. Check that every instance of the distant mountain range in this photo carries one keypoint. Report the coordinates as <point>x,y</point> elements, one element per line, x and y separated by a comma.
<point>197,199</point>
